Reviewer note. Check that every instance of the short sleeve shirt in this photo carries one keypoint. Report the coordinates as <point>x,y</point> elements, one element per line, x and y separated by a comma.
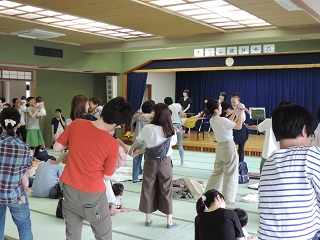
<point>175,109</point>
<point>92,153</point>
<point>222,128</point>
<point>185,103</point>
<point>32,123</point>
<point>219,224</point>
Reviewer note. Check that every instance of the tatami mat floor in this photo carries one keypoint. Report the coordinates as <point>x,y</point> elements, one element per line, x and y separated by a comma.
<point>130,225</point>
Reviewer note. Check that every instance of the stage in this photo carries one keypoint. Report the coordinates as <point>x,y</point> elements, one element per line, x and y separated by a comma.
<point>205,142</point>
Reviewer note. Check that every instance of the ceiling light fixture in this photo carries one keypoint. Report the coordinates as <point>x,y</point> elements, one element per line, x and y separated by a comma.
<point>287,4</point>
<point>37,34</point>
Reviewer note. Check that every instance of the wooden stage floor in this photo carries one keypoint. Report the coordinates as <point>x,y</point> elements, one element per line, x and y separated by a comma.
<point>205,142</point>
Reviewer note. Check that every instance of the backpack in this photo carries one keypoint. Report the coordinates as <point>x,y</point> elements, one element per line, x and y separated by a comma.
<point>56,191</point>
<point>243,173</point>
<point>59,209</point>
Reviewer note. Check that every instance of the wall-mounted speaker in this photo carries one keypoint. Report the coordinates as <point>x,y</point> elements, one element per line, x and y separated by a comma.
<point>111,84</point>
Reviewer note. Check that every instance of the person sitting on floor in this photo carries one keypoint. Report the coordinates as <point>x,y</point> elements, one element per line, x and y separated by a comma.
<point>243,218</point>
<point>214,221</point>
<point>117,206</point>
<point>46,177</point>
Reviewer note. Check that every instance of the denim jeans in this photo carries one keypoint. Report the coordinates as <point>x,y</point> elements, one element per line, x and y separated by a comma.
<point>179,140</point>
<point>136,165</point>
<point>20,213</point>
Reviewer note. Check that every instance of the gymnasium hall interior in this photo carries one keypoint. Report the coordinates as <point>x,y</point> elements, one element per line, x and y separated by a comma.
<point>267,50</point>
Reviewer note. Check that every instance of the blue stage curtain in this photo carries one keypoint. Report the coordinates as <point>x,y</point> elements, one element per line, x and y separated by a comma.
<point>258,88</point>
<point>136,84</point>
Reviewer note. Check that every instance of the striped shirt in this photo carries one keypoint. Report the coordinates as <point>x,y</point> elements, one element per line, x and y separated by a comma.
<point>289,197</point>
<point>14,161</point>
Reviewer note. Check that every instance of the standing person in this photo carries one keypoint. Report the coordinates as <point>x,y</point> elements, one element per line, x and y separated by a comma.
<point>226,163</point>
<point>159,137</point>
<point>15,160</point>
<point>21,107</point>
<point>316,141</point>
<point>92,157</point>
<point>139,119</point>
<point>222,97</point>
<point>34,136</point>
<point>58,124</point>
<point>80,107</point>
<point>186,102</point>
<point>214,221</point>
<point>239,136</point>
<point>176,109</point>
<point>289,188</point>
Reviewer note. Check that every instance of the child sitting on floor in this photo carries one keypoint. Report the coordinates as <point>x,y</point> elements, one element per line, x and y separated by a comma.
<point>243,218</point>
<point>118,206</point>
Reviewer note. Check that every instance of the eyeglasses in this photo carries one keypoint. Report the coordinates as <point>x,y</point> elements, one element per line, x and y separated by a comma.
<point>313,137</point>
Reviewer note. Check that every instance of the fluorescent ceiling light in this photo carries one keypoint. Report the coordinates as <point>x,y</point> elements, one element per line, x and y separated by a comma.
<point>30,16</point>
<point>12,12</point>
<point>37,34</point>
<point>195,12</point>
<point>49,13</point>
<point>208,12</point>
<point>69,22</point>
<point>9,4</point>
<point>30,9</point>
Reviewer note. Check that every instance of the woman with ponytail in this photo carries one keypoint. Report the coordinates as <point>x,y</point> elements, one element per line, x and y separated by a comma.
<point>15,161</point>
<point>226,163</point>
<point>214,221</point>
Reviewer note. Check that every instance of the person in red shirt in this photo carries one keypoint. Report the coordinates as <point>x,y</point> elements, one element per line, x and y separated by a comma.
<point>92,155</point>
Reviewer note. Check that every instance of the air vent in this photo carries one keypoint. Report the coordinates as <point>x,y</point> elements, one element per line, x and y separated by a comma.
<point>287,4</point>
<point>48,52</point>
<point>37,34</point>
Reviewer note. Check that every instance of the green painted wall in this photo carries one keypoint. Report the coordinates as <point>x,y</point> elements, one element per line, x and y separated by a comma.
<point>21,51</point>
<point>57,90</point>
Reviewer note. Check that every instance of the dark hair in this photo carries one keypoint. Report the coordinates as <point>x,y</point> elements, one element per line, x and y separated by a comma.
<point>147,107</point>
<point>288,122</point>
<point>2,99</point>
<point>29,98</point>
<point>14,101</point>
<point>95,100</point>
<point>235,95</point>
<point>162,117</point>
<point>318,114</point>
<point>23,98</point>
<point>152,102</point>
<point>39,99</point>
<point>78,107</point>
<point>186,91</point>
<point>7,105</point>
<point>210,197</point>
<point>117,111</point>
<point>58,110</point>
<point>9,113</point>
<point>242,215</point>
<point>223,94</point>
<point>212,105</point>
<point>225,105</point>
<point>168,101</point>
<point>117,189</point>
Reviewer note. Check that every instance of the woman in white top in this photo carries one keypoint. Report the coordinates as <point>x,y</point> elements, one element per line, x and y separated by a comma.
<point>226,163</point>
<point>159,137</point>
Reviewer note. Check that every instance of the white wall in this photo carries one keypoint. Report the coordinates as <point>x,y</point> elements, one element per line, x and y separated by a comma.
<point>163,85</point>
<point>16,89</point>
